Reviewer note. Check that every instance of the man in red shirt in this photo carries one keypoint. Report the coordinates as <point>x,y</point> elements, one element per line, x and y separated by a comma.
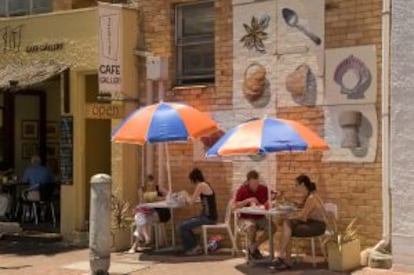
<point>252,193</point>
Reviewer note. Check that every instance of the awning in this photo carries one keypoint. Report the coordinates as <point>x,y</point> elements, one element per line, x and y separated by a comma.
<point>28,74</point>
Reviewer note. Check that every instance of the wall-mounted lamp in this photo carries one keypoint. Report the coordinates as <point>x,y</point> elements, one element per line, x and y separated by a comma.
<point>107,97</point>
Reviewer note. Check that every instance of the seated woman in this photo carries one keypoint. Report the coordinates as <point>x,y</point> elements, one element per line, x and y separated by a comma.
<point>308,222</point>
<point>144,216</point>
<point>205,193</point>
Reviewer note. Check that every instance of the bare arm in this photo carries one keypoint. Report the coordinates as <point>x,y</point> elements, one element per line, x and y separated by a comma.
<point>304,213</point>
<point>196,194</point>
<point>162,190</point>
<point>243,203</point>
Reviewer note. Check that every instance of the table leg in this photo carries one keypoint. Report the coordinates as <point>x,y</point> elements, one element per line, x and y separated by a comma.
<point>271,248</point>
<point>172,229</point>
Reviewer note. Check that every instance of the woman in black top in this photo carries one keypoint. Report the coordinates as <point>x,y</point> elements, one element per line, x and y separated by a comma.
<point>205,193</point>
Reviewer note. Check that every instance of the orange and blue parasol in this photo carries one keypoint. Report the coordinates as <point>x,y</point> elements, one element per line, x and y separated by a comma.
<point>164,122</point>
<point>267,135</point>
<point>261,136</point>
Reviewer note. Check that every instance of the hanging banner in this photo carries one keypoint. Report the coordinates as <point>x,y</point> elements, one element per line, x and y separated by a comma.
<point>110,47</point>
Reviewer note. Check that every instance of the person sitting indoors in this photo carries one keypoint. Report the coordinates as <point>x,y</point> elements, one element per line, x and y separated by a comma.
<point>308,222</point>
<point>39,178</point>
<point>145,216</point>
<point>37,175</point>
<point>252,193</point>
<point>205,193</point>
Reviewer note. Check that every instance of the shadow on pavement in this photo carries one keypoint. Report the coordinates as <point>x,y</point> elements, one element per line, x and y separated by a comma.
<point>29,247</point>
<point>14,267</point>
<point>298,269</point>
<point>178,257</point>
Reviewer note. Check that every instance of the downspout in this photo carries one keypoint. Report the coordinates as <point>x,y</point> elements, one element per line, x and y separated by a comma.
<point>160,152</point>
<point>384,244</point>
<point>149,148</point>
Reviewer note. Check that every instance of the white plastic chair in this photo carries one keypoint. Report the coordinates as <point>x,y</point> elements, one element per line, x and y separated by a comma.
<point>225,225</point>
<point>330,209</point>
<point>160,233</point>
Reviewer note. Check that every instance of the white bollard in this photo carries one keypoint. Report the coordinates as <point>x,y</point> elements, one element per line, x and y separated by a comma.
<point>100,224</point>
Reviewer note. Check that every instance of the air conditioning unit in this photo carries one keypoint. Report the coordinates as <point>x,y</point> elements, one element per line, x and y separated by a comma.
<point>157,68</point>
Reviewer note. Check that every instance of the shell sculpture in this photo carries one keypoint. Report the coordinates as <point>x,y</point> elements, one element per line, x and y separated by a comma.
<point>360,80</point>
<point>297,83</point>
<point>254,81</point>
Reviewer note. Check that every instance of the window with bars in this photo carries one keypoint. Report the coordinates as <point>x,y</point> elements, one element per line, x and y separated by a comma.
<point>24,7</point>
<point>194,41</point>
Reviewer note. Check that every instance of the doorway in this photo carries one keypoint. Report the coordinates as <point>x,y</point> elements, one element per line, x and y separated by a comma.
<point>97,153</point>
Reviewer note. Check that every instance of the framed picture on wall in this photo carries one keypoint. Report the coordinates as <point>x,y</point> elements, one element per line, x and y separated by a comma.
<point>29,149</point>
<point>30,129</point>
<point>52,130</point>
<point>52,150</point>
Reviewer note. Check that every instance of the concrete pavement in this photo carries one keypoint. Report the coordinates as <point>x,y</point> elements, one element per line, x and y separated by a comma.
<point>37,258</point>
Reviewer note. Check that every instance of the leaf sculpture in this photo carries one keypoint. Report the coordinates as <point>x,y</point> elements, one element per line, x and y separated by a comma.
<point>256,33</point>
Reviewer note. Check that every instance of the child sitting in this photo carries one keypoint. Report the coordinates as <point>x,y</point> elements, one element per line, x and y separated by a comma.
<point>146,216</point>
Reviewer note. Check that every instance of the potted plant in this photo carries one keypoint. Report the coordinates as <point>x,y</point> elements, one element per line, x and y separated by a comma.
<point>343,247</point>
<point>120,226</point>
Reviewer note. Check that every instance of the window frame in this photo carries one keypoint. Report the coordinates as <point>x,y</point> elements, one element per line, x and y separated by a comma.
<point>181,41</point>
<point>5,7</point>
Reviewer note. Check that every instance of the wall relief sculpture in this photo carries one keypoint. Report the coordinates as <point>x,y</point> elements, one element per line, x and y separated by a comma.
<point>254,81</point>
<point>353,76</point>
<point>256,33</point>
<point>301,83</point>
<point>292,20</point>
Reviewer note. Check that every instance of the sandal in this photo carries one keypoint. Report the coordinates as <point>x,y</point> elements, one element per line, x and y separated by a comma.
<point>280,264</point>
<point>132,251</point>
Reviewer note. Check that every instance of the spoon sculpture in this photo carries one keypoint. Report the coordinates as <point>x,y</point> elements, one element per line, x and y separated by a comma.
<point>291,19</point>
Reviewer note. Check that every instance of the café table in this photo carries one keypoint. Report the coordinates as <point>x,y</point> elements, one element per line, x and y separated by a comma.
<point>270,214</point>
<point>166,204</point>
<point>14,189</point>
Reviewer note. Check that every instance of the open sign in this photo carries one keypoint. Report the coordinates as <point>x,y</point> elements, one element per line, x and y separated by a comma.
<point>104,111</point>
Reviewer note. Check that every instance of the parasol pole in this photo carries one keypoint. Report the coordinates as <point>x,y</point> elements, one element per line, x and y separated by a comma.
<point>167,154</point>
<point>269,196</point>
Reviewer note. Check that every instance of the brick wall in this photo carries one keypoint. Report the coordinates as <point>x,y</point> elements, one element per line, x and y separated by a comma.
<point>356,188</point>
<point>73,4</point>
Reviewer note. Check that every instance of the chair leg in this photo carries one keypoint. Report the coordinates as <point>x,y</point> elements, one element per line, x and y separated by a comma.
<point>205,240</point>
<point>16,211</point>
<point>233,241</point>
<point>34,207</point>
<point>246,244</point>
<point>156,233</point>
<point>52,210</point>
<point>295,250</point>
<point>322,249</point>
<point>162,235</point>
<point>313,252</point>
<point>24,210</point>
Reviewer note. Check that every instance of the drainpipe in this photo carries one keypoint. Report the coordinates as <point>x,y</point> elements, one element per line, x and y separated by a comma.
<point>384,244</point>
<point>149,150</point>
<point>160,152</point>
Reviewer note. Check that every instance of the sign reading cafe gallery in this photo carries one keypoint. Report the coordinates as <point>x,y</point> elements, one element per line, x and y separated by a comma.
<point>109,72</point>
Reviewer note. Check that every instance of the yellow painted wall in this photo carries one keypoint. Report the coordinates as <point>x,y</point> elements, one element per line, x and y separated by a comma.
<point>78,31</point>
